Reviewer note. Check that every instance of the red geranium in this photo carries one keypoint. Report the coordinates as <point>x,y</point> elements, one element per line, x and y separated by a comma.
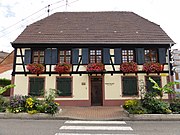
<point>95,67</point>
<point>128,67</point>
<point>152,67</point>
<point>62,68</point>
<point>35,68</point>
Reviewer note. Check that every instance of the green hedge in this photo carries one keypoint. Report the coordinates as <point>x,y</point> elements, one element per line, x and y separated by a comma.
<point>4,82</point>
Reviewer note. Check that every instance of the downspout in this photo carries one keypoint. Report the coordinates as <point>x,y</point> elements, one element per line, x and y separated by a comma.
<point>169,62</point>
<point>171,96</point>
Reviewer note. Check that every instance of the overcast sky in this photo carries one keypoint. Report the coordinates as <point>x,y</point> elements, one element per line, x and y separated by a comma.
<point>15,15</point>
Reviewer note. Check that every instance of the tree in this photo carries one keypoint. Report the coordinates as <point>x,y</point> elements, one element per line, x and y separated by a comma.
<point>165,89</point>
<point>4,89</point>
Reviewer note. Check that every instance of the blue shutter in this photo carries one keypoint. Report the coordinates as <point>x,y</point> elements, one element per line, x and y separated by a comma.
<point>85,56</point>
<point>140,55</point>
<point>27,59</point>
<point>162,55</point>
<point>117,56</point>
<point>75,56</point>
<point>50,56</point>
<point>106,56</point>
<point>54,59</point>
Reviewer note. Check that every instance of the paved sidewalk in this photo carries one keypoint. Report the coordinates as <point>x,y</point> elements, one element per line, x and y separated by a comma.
<point>93,113</point>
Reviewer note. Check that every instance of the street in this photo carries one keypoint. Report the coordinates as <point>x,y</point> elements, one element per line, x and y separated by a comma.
<point>76,127</point>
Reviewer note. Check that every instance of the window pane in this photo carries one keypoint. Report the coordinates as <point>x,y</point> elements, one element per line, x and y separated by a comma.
<point>61,53</point>
<point>127,55</point>
<point>68,52</point>
<point>41,60</point>
<point>35,60</point>
<point>92,59</point>
<point>35,53</point>
<point>38,56</point>
<point>61,60</point>
<point>98,52</point>
<point>68,59</point>
<point>65,56</point>
<point>41,53</point>
<point>92,52</point>
<point>150,55</point>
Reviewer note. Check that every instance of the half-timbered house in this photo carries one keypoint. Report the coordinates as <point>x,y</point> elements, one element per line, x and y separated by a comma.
<point>93,45</point>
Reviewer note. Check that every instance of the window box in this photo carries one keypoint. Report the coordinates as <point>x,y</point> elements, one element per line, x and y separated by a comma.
<point>95,67</point>
<point>129,67</point>
<point>62,68</point>
<point>36,68</point>
<point>152,67</point>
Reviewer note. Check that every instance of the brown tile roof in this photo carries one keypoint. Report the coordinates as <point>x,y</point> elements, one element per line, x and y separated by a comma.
<point>7,63</point>
<point>3,55</point>
<point>94,27</point>
<point>4,68</point>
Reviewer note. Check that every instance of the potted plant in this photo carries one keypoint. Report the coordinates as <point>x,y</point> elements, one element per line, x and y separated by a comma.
<point>62,68</point>
<point>36,68</point>
<point>129,67</point>
<point>95,67</point>
<point>152,67</point>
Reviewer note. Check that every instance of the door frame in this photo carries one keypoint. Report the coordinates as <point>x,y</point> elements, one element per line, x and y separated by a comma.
<point>103,93</point>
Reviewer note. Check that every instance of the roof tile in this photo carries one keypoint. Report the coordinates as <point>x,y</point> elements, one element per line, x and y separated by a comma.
<point>94,27</point>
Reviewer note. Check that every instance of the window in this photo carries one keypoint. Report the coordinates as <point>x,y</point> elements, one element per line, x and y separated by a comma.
<point>149,85</point>
<point>127,55</point>
<point>129,86</point>
<point>36,86</point>
<point>150,55</point>
<point>38,56</point>
<point>64,56</point>
<point>64,86</point>
<point>95,56</point>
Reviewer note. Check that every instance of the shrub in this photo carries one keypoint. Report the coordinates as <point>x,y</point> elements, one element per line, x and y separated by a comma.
<point>175,106</point>
<point>17,104</point>
<point>130,103</point>
<point>4,82</point>
<point>154,105</point>
<point>134,107</point>
<point>51,107</point>
<point>32,104</point>
<point>4,103</point>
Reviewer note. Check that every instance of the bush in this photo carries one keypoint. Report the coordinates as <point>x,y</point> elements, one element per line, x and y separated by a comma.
<point>4,82</point>
<point>154,105</point>
<point>175,106</point>
<point>30,104</point>
<point>134,107</point>
<point>17,104</point>
<point>4,103</point>
<point>51,107</point>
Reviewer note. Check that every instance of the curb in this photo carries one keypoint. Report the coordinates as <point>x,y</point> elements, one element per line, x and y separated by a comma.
<point>153,117</point>
<point>59,116</point>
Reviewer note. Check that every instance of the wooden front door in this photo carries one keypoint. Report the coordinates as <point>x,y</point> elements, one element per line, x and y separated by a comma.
<point>96,91</point>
